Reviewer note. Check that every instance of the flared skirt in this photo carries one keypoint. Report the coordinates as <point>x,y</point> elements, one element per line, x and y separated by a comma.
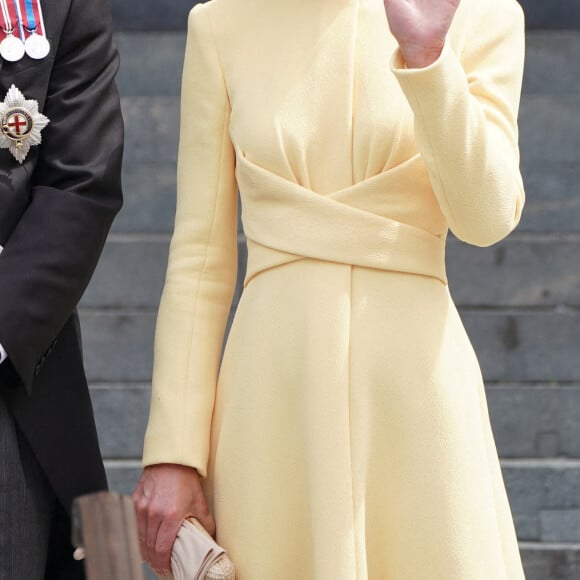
<point>351,437</point>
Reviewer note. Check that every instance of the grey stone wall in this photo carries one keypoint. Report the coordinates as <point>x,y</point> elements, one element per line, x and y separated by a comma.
<point>147,15</point>
<point>520,300</point>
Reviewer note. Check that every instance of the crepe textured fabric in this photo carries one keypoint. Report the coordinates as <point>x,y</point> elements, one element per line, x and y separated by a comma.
<point>196,556</point>
<point>347,436</point>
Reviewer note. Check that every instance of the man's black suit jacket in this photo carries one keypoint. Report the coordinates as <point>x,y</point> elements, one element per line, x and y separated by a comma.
<point>55,212</point>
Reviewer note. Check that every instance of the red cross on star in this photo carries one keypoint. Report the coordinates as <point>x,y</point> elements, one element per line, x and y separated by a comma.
<point>17,123</point>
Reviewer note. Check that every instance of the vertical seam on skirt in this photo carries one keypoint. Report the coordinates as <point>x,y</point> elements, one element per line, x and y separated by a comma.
<point>350,451</point>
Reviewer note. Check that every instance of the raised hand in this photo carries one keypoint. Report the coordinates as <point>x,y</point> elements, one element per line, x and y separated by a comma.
<point>420,27</point>
<point>164,497</point>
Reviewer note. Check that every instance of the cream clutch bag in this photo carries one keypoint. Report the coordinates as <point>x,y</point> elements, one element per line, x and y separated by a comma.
<point>196,556</point>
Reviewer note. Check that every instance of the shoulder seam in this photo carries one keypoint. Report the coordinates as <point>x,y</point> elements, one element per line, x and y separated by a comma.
<point>219,58</point>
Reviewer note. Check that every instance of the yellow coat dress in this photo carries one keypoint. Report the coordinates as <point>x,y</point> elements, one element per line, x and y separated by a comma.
<point>346,434</point>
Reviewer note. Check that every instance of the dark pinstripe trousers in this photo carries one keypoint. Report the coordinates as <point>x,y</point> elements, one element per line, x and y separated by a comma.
<point>26,506</point>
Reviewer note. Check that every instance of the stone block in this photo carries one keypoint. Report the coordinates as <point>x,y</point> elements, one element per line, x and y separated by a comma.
<point>118,346</point>
<point>551,562</point>
<point>518,346</point>
<point>536,486</point>
<point>550,130</point>
<point>520,271</point>
<point>553,14</point>
<point>150,193</point>
<point>152,129</point>
<point>150,196</point>
<point>121,413</point>
<point>123,475</point>
<point>130,274</point>
<point>535,420</point>
<point>521,346</point>
<point>552,197</point>
<point>552,64</point>
<point>145,14</point>
<point>150,15</point>
<point>531,421</point>
<point>560,525</point>
<point>151,63</point>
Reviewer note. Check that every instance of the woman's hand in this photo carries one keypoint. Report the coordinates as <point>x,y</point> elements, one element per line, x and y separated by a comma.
<point>165,495</point>
<point>420,27</point>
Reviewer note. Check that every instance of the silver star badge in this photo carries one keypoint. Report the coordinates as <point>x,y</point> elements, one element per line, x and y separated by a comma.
<point>20,124</point>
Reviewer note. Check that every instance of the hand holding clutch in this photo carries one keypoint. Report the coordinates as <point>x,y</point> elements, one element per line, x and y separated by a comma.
<point>196,556</point>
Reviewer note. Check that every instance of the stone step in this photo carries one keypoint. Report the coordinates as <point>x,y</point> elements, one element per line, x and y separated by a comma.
<point>552,66</point>
<point>145,14</point>
<point>554,14</point>
<point>512,346</point>
<point>535,420</point>
<point>150,15</point>
<point>149,195</point>
<point>525,346</point>
<point>545,499</point>
<point>151,63</point>
<point>543,495</point>
<point>532,421</point>
<point>541,562</point>
<point>550,130</point>
<point>523,271</point>
<point>551,561</point>
<point>552,190</point>
<point>131,273</point>
<point>550,139</point>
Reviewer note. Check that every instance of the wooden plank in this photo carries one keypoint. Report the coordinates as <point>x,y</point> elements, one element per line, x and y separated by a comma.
<point>104,524</point>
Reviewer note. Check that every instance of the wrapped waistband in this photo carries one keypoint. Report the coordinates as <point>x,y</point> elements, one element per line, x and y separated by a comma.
<point>290,223</point>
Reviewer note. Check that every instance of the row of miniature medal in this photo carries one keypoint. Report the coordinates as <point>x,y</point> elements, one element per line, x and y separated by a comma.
<point>23,29</point>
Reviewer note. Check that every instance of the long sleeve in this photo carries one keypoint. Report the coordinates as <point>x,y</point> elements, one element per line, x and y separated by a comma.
<point>465,107</point>
<point>52,251</point>
<point>202,265</point>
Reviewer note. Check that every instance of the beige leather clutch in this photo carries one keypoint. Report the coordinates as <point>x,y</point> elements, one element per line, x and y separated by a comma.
<point>196,556</point>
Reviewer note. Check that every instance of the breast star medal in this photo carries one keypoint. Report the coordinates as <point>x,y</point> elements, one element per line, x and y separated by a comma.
<point>20,124</point>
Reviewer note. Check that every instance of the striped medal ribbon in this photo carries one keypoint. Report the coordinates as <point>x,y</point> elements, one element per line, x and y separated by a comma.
<point>12,32</point>
<point>35,42</point>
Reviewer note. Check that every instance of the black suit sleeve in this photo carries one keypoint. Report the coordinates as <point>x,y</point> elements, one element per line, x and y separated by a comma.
<point>53,250</point>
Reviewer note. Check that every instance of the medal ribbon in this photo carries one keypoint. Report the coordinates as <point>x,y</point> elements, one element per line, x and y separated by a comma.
<point>6,17</point>
<point>34,17</point>
<point>12,19</point>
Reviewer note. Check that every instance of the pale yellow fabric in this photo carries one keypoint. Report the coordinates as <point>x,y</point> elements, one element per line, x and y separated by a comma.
<point>347,436</point>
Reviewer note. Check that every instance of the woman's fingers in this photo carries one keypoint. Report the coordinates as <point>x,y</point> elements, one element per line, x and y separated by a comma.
<point>149,520</point>
<point>207,521</point>
<point>141,505</point>
<point>154,521</point>
<point>165,496</point>
<point>165,538</point>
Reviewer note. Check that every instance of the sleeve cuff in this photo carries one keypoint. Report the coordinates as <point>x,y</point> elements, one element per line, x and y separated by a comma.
<point>432,91</point>
<point>400,68</point>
